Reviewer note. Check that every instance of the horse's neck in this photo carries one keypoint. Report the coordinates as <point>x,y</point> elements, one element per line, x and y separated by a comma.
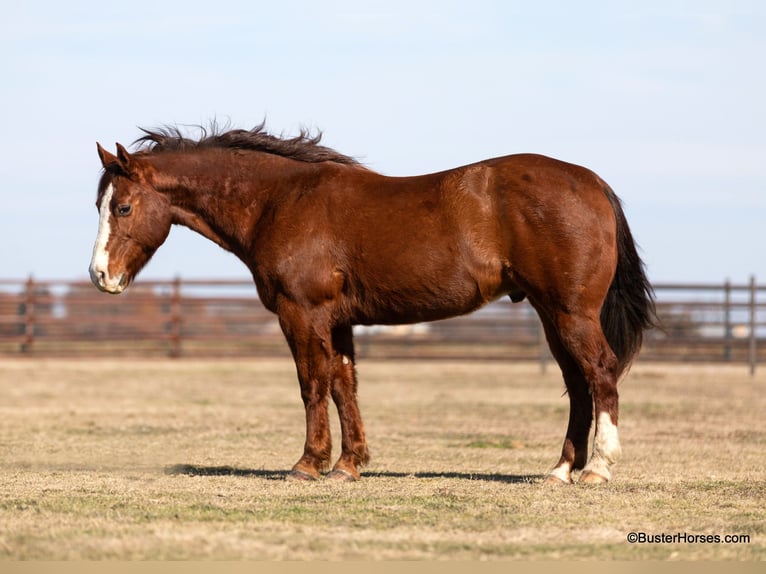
<point>200,225</point>
<point>215,198</point>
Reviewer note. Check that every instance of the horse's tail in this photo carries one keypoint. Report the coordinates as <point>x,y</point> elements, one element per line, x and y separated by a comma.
<point>628,309</point>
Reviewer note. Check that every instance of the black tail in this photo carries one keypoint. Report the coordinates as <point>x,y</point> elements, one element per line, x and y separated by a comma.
<point>628,309</point>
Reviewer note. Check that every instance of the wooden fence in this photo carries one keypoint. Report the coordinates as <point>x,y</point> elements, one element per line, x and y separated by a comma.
<point>206,318</point>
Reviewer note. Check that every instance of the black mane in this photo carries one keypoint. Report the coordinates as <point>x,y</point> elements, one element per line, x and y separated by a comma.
<point>304,147</point>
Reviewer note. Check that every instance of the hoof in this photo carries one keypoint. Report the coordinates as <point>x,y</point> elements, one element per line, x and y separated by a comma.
<point>553,480</point>
<point>341,475</point>
<point>590,477</point>
<point>296,475</point>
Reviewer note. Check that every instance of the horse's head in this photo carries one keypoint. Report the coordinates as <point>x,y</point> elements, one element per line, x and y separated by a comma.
<point>134,220</point>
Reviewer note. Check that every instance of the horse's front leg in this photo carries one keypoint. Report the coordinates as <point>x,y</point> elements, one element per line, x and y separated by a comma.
<point>311,348</point>
<point>343,388</point>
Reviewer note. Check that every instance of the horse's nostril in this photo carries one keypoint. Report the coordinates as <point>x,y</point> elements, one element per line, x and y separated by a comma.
<point>99,277</point>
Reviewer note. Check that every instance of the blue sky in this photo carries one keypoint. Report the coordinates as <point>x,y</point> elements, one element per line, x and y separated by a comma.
<point>664,99</point>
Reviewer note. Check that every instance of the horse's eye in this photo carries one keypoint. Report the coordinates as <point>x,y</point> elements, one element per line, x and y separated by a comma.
<point>124,210</point>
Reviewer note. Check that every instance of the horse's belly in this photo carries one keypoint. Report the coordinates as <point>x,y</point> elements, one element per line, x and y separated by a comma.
<point>427,298</point>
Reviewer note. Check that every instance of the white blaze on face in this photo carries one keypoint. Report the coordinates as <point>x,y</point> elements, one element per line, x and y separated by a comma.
<point>99,263</point>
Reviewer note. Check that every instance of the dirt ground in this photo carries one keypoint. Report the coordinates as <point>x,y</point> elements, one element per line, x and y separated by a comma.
<point>159,460</point>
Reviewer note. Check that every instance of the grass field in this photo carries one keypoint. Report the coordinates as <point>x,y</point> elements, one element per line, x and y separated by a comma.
<point>183,460</point>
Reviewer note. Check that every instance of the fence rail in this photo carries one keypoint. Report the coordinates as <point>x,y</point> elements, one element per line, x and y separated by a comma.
<point>702,322</point>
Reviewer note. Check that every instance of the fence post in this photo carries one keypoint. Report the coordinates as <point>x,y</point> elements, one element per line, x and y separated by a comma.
<point>727,320</point>
<point>752,351</point>
<point>29,316</point>
<point>175,319</point>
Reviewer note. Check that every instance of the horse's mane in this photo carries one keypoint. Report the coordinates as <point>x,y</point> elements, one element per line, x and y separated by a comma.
<point>303,147</point>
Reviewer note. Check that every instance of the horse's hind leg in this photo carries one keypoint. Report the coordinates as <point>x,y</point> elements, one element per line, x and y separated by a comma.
<point>574,453</point>
<point>343,387</point>
<point>582,336</point>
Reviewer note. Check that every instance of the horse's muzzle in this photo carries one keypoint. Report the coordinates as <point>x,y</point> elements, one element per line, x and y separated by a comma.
<point>113,285</point>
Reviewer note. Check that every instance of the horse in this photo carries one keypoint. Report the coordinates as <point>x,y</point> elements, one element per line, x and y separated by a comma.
<point>332,243</point>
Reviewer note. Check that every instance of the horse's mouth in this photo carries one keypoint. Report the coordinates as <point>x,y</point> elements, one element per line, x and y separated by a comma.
<point>113,286</point>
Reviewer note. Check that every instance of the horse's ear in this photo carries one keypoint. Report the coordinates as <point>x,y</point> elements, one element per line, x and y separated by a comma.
<point>107,159</point>
<point>121,163</point>
<point>124,158</point>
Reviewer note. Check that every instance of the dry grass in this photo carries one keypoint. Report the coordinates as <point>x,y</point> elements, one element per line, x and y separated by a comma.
<point>185,460</point>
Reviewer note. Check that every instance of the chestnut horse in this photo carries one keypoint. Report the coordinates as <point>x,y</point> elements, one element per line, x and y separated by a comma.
<point>332,244</point>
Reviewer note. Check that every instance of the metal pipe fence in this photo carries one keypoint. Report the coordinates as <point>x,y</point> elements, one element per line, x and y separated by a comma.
<point>178,317</point>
